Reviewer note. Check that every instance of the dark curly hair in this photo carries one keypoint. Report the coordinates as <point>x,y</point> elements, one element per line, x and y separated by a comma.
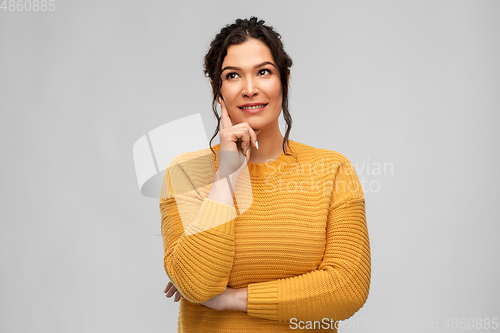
<point>237,33</point>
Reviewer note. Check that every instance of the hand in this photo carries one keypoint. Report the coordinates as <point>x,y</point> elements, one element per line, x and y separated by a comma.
<point>170,290</point>
<point>229,299</point>
<point>233,140</point>
<point>219,302</point>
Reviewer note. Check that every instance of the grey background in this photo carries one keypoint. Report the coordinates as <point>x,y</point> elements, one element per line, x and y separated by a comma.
<point>413,84</point>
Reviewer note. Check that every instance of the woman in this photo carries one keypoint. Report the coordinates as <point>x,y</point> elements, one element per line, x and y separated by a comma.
<point>296,254</point>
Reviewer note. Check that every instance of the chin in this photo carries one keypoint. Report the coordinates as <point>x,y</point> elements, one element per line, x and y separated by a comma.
<point>255,124</point>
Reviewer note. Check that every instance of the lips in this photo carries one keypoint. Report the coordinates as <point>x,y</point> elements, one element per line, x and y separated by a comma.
<point>252,106</point>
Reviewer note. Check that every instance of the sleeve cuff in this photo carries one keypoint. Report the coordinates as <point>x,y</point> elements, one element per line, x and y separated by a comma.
<point>213,215</point>
<point>263,300</point>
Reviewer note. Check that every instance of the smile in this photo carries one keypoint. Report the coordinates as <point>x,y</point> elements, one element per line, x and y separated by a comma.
<point>253,109</point>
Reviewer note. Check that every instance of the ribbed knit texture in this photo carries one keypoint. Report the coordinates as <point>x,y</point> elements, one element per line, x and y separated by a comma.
<point>301,248</point>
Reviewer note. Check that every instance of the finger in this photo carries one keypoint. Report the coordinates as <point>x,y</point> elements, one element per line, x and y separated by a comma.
<point>225,119</point>
<point>247,156</point>
<point>241,135</point>
<point>169,284</point>
<point>239,145</point>
<point>171,291</point>
<point>177,297</point>
<point>249,137</point>
<point>253,134</point>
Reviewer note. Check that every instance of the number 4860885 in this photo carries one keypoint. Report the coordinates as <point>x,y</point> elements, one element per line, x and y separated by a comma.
<point>28,5</point>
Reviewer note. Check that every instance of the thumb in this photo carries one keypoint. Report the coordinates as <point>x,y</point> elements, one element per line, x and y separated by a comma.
<point>247,156</point>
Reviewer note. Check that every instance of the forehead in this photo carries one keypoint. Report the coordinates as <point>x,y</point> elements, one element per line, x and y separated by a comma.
<point>247,54</point>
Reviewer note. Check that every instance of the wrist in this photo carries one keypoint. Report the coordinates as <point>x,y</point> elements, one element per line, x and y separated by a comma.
<point>239,299</point>
<point>230,179</point>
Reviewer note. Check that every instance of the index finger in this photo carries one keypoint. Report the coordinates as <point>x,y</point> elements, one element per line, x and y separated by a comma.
<point>226,121</point>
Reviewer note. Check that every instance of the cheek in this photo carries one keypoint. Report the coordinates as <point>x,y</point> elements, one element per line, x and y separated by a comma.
<point>274,89</point>
<point>229,92</point>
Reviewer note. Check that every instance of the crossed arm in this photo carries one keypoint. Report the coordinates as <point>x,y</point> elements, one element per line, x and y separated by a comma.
<point>336,289</point>
<point>229,299</point>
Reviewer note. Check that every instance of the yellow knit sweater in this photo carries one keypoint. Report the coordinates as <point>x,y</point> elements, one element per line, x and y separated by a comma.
<point>300,246</point>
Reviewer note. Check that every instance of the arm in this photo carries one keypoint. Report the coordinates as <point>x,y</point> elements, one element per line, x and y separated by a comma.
<point>340,285</point>
<point>198,237</point>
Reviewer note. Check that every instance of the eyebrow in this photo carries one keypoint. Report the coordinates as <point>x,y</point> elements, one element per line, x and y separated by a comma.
<point>257,66</point>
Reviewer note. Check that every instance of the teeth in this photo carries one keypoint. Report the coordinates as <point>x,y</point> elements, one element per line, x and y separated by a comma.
<point>253,107</point>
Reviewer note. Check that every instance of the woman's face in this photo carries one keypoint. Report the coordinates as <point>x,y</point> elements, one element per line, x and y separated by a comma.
<point>249,76</point>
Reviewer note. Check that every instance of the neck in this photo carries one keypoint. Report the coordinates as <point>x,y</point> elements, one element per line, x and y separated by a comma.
<point>270,145</point>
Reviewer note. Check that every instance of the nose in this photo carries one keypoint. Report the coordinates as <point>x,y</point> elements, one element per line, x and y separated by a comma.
<point>249,87</point>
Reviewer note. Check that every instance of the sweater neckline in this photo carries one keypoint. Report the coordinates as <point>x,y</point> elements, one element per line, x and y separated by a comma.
<point>269,168</point>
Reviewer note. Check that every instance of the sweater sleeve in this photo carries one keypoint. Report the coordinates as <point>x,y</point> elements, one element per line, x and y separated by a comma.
<point>198,237</point>
<point>339,287</point>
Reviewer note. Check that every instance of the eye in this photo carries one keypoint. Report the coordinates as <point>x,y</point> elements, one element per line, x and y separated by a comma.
<point>231,75</point>
<point>264,70</point>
